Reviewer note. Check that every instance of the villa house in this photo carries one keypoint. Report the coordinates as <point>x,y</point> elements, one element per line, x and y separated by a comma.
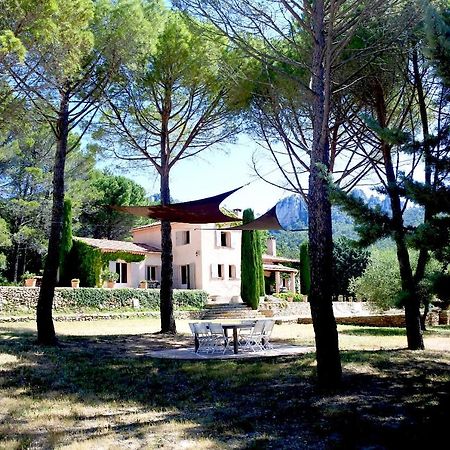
<point>204,257</point>
<point>278,276</point>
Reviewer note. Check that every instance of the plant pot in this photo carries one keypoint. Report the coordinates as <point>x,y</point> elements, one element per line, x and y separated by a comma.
<point>110,284</point>
<point>30,282</point>
<point>75,284</point>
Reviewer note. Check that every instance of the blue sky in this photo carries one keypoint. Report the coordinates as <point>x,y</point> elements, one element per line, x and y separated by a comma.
<point>216,171</point>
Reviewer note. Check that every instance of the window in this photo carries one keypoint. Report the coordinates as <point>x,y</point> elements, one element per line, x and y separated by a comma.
<point>225,239</point>
<point>122,270</point>
<point>184,276</point>
<point>217,271</point>
<point>183,237</point>
<point>231,272</point>
<point>151,273</point>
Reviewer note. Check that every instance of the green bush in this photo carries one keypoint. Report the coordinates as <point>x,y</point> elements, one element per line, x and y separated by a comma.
<point>98,298</point>
<point>380,282</point>
<point>287,295</point>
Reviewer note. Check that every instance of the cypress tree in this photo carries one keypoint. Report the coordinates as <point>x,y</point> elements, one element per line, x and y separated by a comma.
<point>259,245</point>
<point>250,264</point>
<point>66,244</point>
<point>305,269</point>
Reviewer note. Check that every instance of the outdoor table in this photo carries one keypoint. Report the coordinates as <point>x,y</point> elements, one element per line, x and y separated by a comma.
<point>235,327</point>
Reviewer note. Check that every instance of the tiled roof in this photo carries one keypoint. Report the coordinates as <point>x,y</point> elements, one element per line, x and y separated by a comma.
<point>271,258</point>
<point>279,268</point>
<point>107,245</point>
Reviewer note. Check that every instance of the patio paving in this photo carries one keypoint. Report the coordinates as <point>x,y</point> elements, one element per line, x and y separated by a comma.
<point>189,353</point>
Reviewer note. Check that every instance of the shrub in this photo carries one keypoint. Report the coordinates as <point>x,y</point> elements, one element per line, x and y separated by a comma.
<point>108,275</point>
<point>27,275</point>
<point>286,295</point>
<point>98,298</point>
<point>348,262</point>
<point>380,282</point>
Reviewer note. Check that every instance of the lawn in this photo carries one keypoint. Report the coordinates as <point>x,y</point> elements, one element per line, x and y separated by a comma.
<point>101,390</point>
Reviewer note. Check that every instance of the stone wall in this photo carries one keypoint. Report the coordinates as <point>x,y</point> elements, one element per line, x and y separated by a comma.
<point>302,309</point>
<point>23,300</point>
<point>18,298</point>
<point>346,313</point>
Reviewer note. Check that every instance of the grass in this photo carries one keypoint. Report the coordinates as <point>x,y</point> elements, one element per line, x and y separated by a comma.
<point>100,390</point>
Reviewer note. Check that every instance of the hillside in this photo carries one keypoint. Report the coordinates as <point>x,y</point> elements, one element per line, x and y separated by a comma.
<point>288,242</point>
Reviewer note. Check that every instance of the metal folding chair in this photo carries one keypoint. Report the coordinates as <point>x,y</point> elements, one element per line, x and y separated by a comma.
<point>203,336</point>
<point>254,340</point>
<point>267,332</point>
<point>219,341</point>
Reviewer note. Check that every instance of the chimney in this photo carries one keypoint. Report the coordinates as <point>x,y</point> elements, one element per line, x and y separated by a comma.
<point>271,246</point>
<point>238,212</point>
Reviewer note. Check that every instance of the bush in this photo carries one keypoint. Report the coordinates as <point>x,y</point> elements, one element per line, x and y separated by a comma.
<point>287,295</point>
<point>98,298</point>
<point>380,282</point>
<point>348,262</point>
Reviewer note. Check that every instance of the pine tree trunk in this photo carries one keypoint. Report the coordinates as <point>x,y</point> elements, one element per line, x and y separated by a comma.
<point>44,319</point>
<point>428,214</point>
<point>411,300</point>
<point>166,291</point>
<point>329,369</point>
<point>16,262</point>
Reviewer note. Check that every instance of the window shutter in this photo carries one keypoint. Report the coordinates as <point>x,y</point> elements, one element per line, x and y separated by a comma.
<point>178,237</point>
<point>218,238</point>
<point>192,276</point>
<point>158,273</point>
<point>234,239</point>
<point>176,276</point>
<point>214,271</point>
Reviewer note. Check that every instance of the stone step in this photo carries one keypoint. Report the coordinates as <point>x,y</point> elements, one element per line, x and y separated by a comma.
<point>226,306</point>
<point>230,311</point>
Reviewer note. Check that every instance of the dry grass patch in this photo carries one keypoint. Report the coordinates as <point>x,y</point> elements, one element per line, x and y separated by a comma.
<point>100,390</point>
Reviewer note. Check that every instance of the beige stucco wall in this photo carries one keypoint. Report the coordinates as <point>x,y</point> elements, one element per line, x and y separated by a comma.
<point>212,255</point>
<point>203,254</point>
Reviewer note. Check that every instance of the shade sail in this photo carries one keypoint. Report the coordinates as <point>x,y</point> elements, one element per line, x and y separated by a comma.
<point>267,221</point>
<point>289,214</point>
<point>206,210</point>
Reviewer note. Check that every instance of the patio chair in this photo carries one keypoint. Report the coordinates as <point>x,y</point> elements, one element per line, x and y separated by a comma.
<point>203,335</point>
<point>267,332</point>
<point>219,341</point>
<point>254,341</point>
<point>245,333</point>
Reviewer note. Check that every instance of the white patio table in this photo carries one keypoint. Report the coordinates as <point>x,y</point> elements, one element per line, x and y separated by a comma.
<point>235,327</point>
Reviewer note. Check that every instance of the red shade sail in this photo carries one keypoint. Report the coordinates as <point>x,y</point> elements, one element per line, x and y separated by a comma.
<point>206,210</point>
<point>267,221</point>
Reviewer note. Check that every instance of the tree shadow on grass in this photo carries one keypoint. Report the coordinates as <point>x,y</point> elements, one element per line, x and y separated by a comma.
<point>116,393</point>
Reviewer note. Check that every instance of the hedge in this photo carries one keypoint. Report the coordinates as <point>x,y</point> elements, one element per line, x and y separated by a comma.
<point>123,298</point>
